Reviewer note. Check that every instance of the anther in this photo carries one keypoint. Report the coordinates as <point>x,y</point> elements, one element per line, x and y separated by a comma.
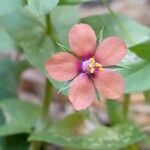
<point>91,65</point>
<point>92,61</point>
<point>98,65</point>
<point>92,70</point>
<point>101,69</point>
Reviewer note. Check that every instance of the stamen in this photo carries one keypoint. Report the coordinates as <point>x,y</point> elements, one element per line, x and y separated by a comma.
<point>101,69</point>
<point>98,65</point>
<point>92,70</point>
<point>91,65</point>
<point>92,61</point>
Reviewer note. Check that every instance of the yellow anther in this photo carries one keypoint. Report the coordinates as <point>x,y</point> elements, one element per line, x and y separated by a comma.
<point>101,69</point>
<point>91,65</point>
<point>92,60</point>
<point>92,70</point>
<point>98,65</point>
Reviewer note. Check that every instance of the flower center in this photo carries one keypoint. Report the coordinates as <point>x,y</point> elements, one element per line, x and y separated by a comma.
<point>91,65</point>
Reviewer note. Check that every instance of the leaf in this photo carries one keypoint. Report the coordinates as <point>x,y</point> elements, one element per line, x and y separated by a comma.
<point>135,33</point>
<point>8,6</point>
<point>136,74</point>
<point>6,43</point>
<point>42,7</point>
<point>100,35</point>
<point>105,138</point>
<point>24,27</point>
<point>69,125</point>
<point>20,116</point>
<point>10,75</point>
<point>72,2</point>
<point>65,22</point>
<point>142,50</point>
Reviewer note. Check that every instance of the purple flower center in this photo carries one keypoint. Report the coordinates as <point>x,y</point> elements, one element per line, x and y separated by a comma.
<point>90,65</point>
<point>85,65</point>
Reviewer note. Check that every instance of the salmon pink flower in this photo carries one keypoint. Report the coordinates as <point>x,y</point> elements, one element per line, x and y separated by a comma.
<point>88,66</point>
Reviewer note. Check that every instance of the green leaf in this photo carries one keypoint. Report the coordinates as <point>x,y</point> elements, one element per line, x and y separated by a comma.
<point>65,22</point>
<point>72,2</point>
<point>100,35</point>
<point>105,138</point>
<point>136,74</point>
<point>8,6</point>
<point>24,27</point>
<point>142,50</point>
<point>135,33</point>
<point>6,43</point>
<point>42,7</point>
<point>68,125</point>
<point>20,116</point>
<point>10,75</point>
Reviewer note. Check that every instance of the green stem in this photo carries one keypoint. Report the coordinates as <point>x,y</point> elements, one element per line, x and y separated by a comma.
<point>25,2</point>
<point>131,147</point>
<point>46,101</point>
<point>118,21</point>
<point>114,111</point>
<point>147,95</point>
<point>35,146</point>
<point>126,104</point>
<point>44,118</point>
<point>48,24</point>
<point>50,29</point>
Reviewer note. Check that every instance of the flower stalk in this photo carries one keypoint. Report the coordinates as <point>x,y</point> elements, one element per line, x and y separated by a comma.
<point>126,104</point>
<point>50,31</point>
<point>44,119</point>
<point>46,101</point>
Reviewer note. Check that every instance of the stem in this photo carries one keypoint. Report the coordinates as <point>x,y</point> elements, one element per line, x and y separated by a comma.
<point>44,118</point>
<point>126,104</point>
<point>50,30</point>
<point>35,146</point>
<point>118,21</point>
<point>132,147</point>
<point>147,95</point>
<point>46,100</point>
<point>48,24</point>
<point>114,112</point>
<point>25,2</point>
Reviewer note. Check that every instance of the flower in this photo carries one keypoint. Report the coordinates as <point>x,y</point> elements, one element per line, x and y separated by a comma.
<point>89,67</point>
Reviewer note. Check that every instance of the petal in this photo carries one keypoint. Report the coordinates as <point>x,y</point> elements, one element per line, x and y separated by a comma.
<point>62,66</point>
<point>81,92</point>
<point>110,84</point>
<point>82,40</point>
<point>111,51</point>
